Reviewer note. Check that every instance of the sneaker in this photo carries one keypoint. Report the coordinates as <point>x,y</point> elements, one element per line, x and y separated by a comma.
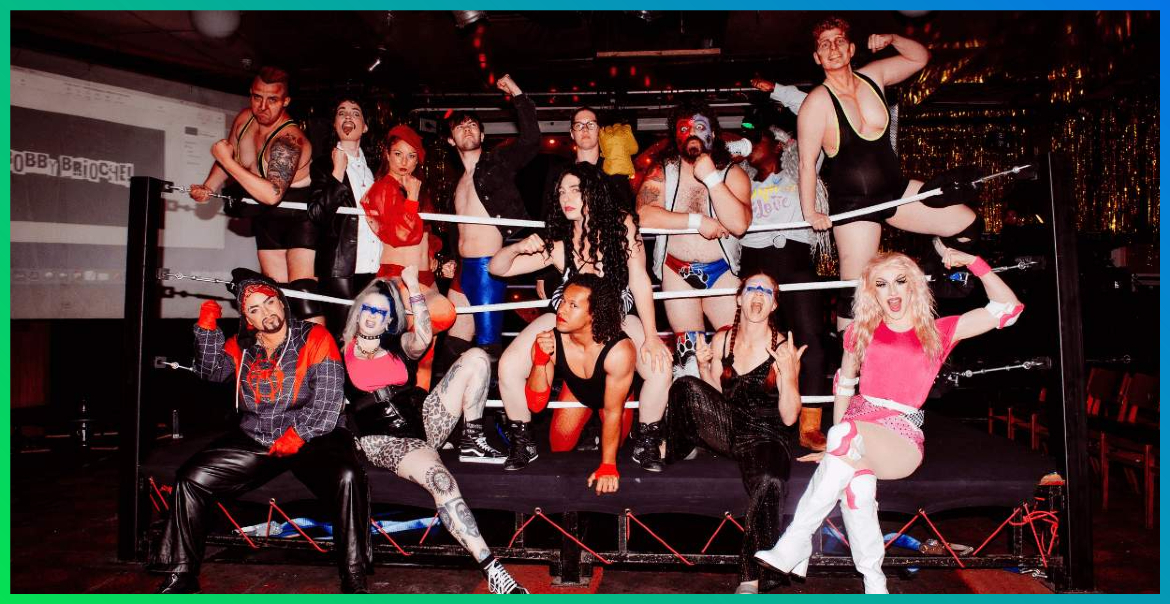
<point>646,452</point>
<point>474,447</point>
<point>522,450</point>
<point>500,581</point>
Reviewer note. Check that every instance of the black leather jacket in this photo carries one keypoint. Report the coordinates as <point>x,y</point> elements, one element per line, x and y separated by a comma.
<point>495,173</point>
<point>337,239</point>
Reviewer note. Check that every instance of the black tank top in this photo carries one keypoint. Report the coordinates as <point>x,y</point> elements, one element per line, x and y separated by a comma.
<point>862,168</point>
<point>590,392</point>
<point>267,141</point>
<point>750,391</point>
<point>572,269</point>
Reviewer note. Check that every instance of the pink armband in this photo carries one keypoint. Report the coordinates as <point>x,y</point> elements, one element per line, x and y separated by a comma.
<point>979,267</point>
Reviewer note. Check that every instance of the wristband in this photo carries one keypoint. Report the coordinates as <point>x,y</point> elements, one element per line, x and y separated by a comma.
<point>844,386</point>
<point>417,298</point>
<point>713,179</point>
<point>694,221</point>
<point>606,469</point>
<point>539,356</point>
<point>979,267</point>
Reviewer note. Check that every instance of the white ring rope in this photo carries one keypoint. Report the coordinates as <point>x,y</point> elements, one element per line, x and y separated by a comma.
<point>513,222</point>
<point>499,404</point>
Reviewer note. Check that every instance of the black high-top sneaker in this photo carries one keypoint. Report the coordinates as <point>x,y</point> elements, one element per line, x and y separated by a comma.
<point>474,447</point>
<point>646,451</point>
<point>522,449</point>
<point>498,579</point>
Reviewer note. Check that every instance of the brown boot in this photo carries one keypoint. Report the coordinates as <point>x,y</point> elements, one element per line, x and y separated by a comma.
<point>810,429</point>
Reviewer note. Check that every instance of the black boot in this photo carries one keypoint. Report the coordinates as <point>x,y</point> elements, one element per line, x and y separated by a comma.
<point>354,582</point>
<point>522,448</point>
<point>179,583</point>
<point>646,446</point>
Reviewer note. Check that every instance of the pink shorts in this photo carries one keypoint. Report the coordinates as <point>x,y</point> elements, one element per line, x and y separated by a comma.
<point>861,410</point>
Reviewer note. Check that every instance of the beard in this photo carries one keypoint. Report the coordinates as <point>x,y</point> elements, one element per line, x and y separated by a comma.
<point>271,324</point>
<point>692,152</point>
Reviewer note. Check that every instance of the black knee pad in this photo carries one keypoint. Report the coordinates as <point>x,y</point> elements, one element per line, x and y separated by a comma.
<point>957,186</point>
<point>302,308</point>
<point>966,240</point>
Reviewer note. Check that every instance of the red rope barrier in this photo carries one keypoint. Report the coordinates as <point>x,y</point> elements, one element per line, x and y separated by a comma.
<point>268,523</point>
<point>838,533</point>
<point>160,495</point>
<point>995,532</point>
<point>537,512</point>
<point>521,530</point>
<point>906,526</point>
<point>630,515</point>
<point>941,538</point>
<point>388,537</point>
<point>429,527</point>
<point>238,529</point>
<point>1036,536</point>
<point>272,505</point>
<point>726,517</point>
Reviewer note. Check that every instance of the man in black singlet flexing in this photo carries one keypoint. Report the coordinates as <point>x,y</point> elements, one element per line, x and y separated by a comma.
<point>268,155</point>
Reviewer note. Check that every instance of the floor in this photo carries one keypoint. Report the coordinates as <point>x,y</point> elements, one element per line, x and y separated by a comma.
<point>64,539</point>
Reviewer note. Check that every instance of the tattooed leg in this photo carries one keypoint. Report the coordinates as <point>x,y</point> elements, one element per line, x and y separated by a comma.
<point>424,467</point>
<point>462,390</point>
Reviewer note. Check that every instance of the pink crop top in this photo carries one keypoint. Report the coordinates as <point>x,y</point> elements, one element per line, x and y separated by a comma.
<point>372,374</point>
<point>895,365</point>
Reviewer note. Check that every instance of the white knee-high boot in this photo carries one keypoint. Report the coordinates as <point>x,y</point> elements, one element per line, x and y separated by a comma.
<point>859,510</point>
<point>792,551</point>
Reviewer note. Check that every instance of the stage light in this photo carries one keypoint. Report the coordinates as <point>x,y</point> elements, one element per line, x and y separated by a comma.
<point>216,24</point>
<point>463,18</point>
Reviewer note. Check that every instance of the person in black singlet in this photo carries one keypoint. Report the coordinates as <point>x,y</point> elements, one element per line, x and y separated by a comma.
<point>745,410</point>
<point>847,118</point>
<point>595,358</point>
<point>592,233</point>
<point>268,156</point>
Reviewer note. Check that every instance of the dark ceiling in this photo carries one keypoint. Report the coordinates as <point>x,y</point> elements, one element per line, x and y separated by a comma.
<point>979,58</point>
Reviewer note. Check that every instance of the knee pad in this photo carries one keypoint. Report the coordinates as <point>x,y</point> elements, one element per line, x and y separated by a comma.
<point>861,490</point>
<point>844,440</point>
<point>966,240</point>
<point>957,186</point>
<point>305,309</point>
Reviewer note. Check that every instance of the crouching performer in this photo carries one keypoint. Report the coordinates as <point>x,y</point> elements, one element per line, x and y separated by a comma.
<point>289,381</point>
<point>898,345</point>
<point>399,426</point>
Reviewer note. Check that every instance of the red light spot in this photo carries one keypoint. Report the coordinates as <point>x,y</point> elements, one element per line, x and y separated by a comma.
<point>633,70</point>
<point>476,43</point>
<point>646,81</point>
<point>491,78</point>
<point>613,71</point>
<point>448,113</point>
<point>482,58</point>
<point>575,89</point>
<point>593,84</point>
<point>576,99</point>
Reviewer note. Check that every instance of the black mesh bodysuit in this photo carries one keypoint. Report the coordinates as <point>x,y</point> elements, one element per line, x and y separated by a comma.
<point>863,172</point>
<point>743,423</point>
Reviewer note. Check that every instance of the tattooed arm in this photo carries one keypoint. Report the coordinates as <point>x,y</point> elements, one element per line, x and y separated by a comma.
<point>284,157</point>
<point>416,341</point>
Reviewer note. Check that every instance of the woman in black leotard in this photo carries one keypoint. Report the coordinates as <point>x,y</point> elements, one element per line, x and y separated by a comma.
<point>744,409</point>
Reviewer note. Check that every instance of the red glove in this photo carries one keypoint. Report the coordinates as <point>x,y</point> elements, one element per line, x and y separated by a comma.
<point>539,356</point>
<point>209,312</point>
<point>288,444</point>
<point>606,469</point>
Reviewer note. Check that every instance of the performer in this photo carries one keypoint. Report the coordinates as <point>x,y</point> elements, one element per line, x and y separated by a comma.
<point>787,257</point>
<point>348,251</point>
<point>271,162</point>
<point>848,119</point>
<point>595,358</point>
<point>697,187</point>
<point>590,234</point>
<point>487,188</point>
<point>400,427</point>
<point>744,410</point>
<point>898,345</point>
<point>289,383</point>
<point>392,206</point>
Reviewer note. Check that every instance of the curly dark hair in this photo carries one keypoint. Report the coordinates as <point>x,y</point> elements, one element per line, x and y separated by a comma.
<point>690,106</point>
<point>605,221</point>
<point>605,305</point>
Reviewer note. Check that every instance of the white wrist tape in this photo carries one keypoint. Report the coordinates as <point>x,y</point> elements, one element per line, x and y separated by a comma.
<point>713,179</point>
<point>844,386</point>
<point>694,220</point>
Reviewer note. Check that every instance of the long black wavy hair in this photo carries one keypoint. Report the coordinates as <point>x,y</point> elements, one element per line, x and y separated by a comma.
<point>605,304</point>
<point>604,225</point>
<point>688,107</point>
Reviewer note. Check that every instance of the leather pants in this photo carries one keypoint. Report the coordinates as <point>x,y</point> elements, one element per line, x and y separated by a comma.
<point>235,464</point>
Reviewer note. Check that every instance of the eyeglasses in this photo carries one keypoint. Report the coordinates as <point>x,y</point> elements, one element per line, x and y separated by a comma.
<point>579,126</point>
<point>374,310</point>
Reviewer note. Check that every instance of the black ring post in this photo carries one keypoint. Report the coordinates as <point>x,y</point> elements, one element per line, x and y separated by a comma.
<point>141,314</point>
<point>1076,539</point>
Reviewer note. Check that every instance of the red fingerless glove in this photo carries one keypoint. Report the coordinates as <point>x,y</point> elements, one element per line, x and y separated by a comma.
<point>209,312</point>
<point>606,469</point>
<point>539,356</point>
<point>979,267</point>
<point>537,401</point>
<point>288,444</point>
